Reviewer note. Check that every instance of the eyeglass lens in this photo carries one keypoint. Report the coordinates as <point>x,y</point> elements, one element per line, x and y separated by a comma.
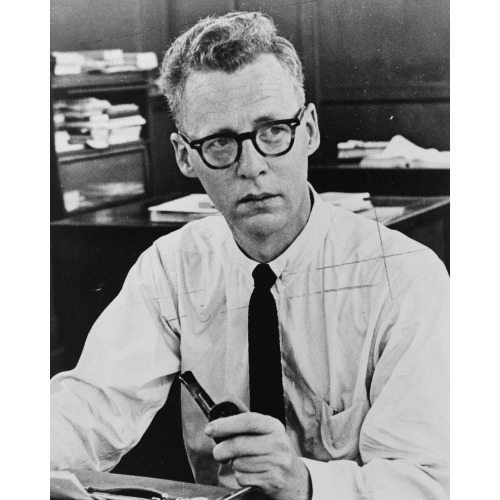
<point>270,139</point>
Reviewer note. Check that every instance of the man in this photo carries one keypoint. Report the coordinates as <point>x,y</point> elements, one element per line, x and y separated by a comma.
<point>362,309</point>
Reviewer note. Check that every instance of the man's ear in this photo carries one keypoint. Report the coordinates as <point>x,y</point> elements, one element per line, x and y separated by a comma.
<point>311,121</point>
<point>182,155</point>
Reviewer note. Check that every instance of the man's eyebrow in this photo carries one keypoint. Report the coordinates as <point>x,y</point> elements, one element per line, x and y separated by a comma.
<point>268,118</point>
<point>223,130</point>
<point>271,117</point>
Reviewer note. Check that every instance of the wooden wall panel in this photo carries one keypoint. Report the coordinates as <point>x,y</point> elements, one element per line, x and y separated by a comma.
<point>310,48</point>
<point>187,13</point>
<point>166,176</point>
<point>384,49</point>
<point>154,28</point>
<point>295,21</point>
<point>90,24</point>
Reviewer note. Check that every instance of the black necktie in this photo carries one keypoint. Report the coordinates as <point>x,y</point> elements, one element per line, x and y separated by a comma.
<point>264,350</point>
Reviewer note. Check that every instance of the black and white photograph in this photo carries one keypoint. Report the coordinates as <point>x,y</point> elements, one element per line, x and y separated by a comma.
<point>249,250</point>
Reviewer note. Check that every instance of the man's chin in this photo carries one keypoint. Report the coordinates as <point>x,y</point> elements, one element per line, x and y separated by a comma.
<point>261,225</point>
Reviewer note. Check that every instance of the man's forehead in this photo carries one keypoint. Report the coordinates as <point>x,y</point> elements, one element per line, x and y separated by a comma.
<point>262,85</point>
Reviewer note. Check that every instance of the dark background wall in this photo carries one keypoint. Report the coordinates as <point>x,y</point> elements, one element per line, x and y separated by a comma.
<point>373,68</point>
<point>131,25</point>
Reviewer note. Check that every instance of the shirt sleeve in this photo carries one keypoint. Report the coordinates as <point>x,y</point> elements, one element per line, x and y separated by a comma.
<point>404,439</point>
<point>101,408</point>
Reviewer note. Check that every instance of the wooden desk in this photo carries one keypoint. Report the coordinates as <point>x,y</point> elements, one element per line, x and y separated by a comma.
<point>172,488</point>
<point>425,219</point>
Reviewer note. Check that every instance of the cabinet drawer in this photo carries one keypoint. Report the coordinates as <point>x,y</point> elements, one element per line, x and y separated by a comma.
<point>95,179</point>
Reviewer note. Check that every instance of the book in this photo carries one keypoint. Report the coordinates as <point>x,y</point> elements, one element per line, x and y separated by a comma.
<point>62,142</point>
<point>83,104</point>
<point>354,202</point>
<point>61,136</point>
<point>185,209</point>
<point>402,153</point>
<point>126,134</point>
<point>126,121</point>
<point>59,119</point>
<point>118,68</point>
<point>68,63</point>
<point>67,147</point>
<point>72,200</point>
<point>90,114</point>
<point>117,61</point>
<point>96,121</point>
<point>176,217</point>
<point>122,114</point>
<point>353,149</point>
<point>67,69</point>
<point>141,60</point>
<point>109,55</point>
<point>103,61</point>
<point>68,57</point>
<point>121,110</point>
<point>111,190</point>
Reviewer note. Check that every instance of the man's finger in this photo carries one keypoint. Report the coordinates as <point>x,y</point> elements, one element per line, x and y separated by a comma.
<point>252,464</point>
<point>251,479</point>
<point>243,446</point>
<point>268,482</point>
<point>244,423</point>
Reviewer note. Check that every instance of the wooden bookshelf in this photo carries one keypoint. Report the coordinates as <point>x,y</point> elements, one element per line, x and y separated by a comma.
<point>90,179</point>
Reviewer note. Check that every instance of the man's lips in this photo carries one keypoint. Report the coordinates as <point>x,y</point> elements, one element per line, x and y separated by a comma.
<point>257,197</point>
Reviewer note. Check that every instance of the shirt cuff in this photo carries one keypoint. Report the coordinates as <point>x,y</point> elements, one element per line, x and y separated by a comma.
<point>321,481</point>
<point>335,480</point>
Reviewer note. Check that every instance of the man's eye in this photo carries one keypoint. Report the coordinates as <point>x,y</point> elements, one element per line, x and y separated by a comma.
<point>274,132</point>
<point>219,143</point>
<point>277,129</point>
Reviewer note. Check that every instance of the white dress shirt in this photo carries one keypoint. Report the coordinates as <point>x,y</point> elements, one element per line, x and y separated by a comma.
<point>363,313</point>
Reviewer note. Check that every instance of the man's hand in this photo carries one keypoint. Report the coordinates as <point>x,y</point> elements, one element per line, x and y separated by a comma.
<point>261,454</point>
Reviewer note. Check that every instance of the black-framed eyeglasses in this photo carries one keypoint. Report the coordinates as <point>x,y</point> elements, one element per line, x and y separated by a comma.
<point>219,151</point>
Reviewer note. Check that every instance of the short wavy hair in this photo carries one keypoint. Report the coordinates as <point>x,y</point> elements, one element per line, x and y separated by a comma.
<point>225,43</point>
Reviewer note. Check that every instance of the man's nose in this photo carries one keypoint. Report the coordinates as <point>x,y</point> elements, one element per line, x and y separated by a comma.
<point>251,163</point>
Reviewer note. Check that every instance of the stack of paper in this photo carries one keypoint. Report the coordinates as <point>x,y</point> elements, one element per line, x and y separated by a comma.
<point>103,61</point>
<point>185,209</point>
<point>355,202</point>
<point>401,153</point>
<point>96,123</point>
<point>356,150</point>
<point>112,190</point>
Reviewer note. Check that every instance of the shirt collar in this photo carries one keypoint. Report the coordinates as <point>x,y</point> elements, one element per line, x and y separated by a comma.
<point>302,250</point>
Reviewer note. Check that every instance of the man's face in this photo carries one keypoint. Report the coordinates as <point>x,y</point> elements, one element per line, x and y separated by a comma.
<point>257,195</point>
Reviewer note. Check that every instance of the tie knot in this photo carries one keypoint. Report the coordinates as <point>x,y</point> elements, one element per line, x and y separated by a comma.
<point>263,276</point>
